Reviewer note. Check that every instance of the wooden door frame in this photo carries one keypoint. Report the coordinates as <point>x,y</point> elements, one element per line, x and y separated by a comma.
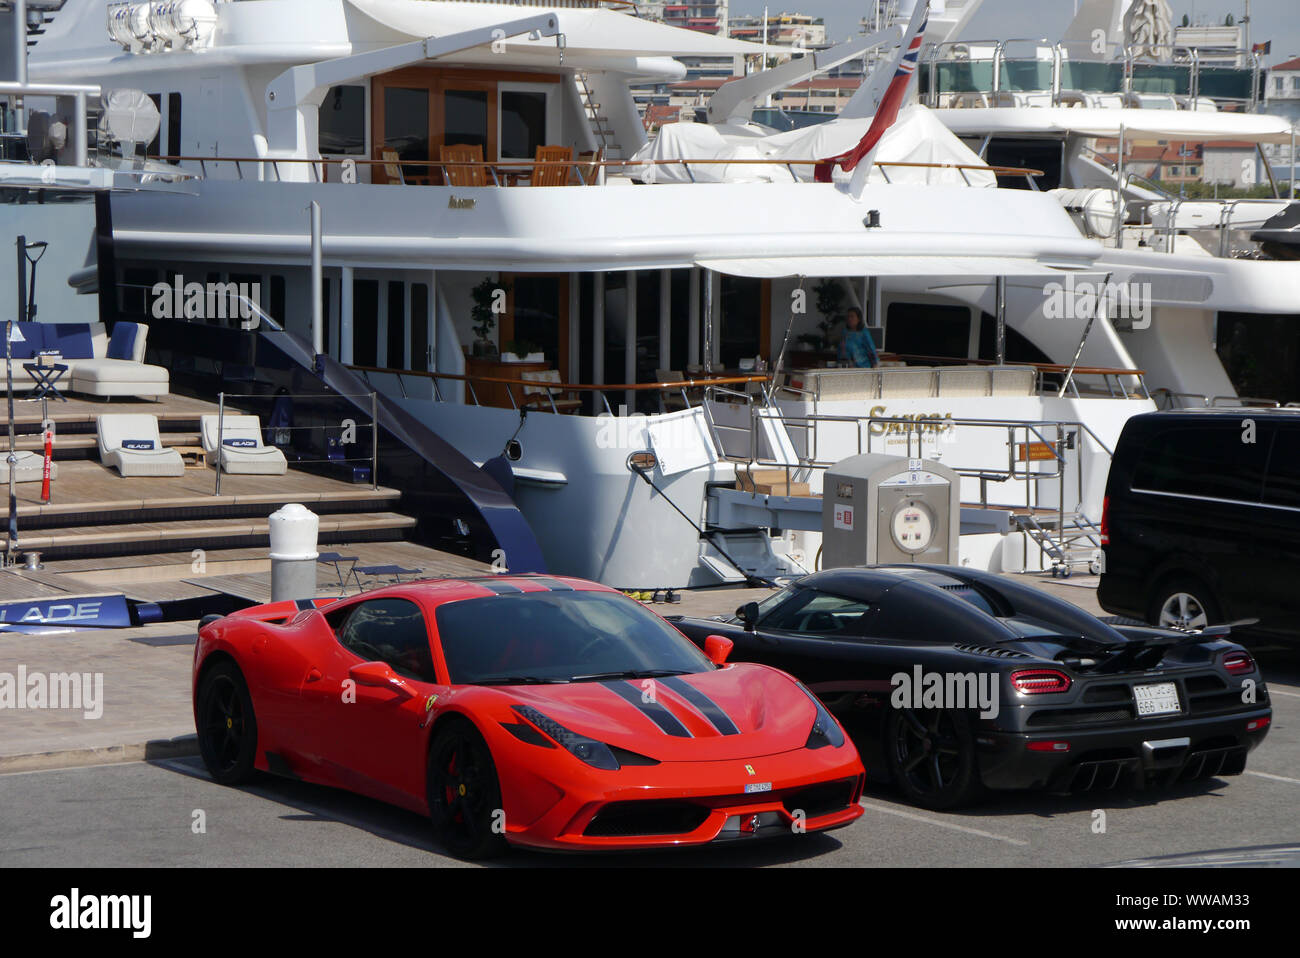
<point>436,81</point>
<point>507,330</point>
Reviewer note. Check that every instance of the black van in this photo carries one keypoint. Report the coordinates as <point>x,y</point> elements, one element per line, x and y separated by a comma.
<point>1201,523</point>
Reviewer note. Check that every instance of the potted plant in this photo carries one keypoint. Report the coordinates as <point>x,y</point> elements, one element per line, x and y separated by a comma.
<point>483,315</point>
<point>522,351</point>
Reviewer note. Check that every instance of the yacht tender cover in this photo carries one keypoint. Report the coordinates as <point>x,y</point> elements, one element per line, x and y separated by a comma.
<point>917,136</point>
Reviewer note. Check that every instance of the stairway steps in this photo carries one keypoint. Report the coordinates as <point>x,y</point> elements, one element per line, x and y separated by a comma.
<point>161,536</point>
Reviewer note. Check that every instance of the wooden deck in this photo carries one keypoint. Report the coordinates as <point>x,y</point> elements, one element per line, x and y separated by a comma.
<point>84,412</point>
<point>84,487</point>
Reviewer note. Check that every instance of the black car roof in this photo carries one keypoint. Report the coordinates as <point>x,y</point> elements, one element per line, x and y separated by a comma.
<point>869,584</point>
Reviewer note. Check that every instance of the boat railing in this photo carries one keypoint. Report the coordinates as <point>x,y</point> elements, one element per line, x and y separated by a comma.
<point>281,434</point>
<point>1028,442</point>
<point>1224,226</point>
<point>1167,399</point>
<point>948,78</point>
<point>511,173</point>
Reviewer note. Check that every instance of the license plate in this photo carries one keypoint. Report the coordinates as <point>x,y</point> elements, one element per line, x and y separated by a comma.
<point>1158,699</point>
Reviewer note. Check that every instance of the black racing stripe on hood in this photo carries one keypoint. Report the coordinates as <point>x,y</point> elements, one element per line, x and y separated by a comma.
<point>555,585</point>
<point>709,708</point>
<point>655,712</point>
<point>500,588</point>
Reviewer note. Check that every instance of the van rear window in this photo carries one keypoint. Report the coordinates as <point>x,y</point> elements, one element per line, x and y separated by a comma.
<point>1211,459</point>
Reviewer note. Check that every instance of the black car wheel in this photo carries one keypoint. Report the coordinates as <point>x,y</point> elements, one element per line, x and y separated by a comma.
<point>1183,603</point>
<point>464,793</point>
<point>931,754</point>
<point>227,727</point>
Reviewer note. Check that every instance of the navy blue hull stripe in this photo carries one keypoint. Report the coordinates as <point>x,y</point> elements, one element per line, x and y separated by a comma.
<point>709,708</point>
<point>655,712</point>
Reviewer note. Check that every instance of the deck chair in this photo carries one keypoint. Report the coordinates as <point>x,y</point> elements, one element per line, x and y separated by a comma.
<point>393,169</point>
<point>540,397</point>
<point>462,175</point>
<point>588,168</point>
<point>130,443</point>
<point>553,166</point>
<point>671,400</point>
<point>241,449</point>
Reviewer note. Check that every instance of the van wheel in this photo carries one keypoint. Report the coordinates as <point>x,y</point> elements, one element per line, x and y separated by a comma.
<point>1183,603</point>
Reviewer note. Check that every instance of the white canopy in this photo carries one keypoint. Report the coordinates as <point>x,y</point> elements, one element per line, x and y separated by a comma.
<point>916,137</point>
<point>818,266</point>
<point>1194,125</point>
<point>591,31</point>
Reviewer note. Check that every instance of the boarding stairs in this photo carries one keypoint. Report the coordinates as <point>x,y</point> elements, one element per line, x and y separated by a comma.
<point>1068,540</point>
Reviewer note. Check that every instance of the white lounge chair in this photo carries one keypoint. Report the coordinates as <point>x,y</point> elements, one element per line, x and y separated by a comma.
<point>131,444</point>
<point>241,448</point>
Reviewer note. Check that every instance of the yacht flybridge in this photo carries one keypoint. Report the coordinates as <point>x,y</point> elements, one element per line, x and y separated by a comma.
<point>623,349</point>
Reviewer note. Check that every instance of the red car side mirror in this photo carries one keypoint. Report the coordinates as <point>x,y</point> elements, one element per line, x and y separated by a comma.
<point>379,675</point>
<point>717,648</point>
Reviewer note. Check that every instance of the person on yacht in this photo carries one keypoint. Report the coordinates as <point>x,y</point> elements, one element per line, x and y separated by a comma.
<point>856,345</point>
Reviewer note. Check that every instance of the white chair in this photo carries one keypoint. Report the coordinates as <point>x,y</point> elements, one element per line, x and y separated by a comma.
<point>544,398</point>
<point>241,449</point>
<point>131,444</point>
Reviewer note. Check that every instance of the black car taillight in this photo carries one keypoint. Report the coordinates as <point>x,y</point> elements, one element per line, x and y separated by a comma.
<point>1040,681</point>
<point>1238,663</point>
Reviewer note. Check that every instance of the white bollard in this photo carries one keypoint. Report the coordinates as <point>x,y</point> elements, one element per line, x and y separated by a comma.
<point>294,530</point>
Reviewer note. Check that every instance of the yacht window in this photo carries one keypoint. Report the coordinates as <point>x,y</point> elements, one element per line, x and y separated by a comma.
<point>926,329</point>
<point>396,358</point>
<point>406,126</point>
<point>466,118</point>
<point>419,358</point>
<point>343,121</point>
<point>523,123</point>
<point>365,322</point>
<point>174,126</point>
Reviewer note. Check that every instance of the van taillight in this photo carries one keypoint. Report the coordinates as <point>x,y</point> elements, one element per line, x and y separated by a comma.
<point>1105,521</point>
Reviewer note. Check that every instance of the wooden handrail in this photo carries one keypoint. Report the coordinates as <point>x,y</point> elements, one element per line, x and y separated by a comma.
<point>569,387</point>
<point>586,164</point>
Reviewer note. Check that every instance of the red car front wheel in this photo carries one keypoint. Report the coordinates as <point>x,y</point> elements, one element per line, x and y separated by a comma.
<point>464,793</point>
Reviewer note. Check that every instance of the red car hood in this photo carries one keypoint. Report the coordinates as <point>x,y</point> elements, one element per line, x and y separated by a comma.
<point>737,712</point>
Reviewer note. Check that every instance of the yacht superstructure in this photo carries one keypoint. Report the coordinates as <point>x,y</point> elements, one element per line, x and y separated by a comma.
<point>612,335</point>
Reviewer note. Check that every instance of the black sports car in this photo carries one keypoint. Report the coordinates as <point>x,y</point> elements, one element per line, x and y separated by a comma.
<point>952,680</point>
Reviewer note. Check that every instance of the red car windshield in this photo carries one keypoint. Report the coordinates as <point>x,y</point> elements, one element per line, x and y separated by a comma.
<point>560,637</point>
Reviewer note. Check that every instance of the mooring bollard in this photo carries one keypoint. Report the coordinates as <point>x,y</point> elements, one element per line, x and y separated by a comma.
<point>294,531</point>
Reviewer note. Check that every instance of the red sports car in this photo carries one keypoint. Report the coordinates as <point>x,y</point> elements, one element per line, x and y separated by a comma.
<point>547,712</point>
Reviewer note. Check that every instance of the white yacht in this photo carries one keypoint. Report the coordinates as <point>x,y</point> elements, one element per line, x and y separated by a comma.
<point>625,340</point>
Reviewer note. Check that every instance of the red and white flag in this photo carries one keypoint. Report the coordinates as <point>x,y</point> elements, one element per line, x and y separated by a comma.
<point>909,52</point>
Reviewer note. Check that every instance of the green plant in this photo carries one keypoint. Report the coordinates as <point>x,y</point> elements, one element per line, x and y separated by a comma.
<point>830,297</point>
<point>483,314</point>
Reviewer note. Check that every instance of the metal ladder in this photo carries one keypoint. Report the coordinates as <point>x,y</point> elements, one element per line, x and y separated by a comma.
<point>1069,541</point>
<point>599,124</point>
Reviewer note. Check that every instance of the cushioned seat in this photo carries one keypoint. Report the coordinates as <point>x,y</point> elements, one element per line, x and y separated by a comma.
<point>131,444</point>
<point>30,467</point>
<point>241,447</point>
<point>97,364</point>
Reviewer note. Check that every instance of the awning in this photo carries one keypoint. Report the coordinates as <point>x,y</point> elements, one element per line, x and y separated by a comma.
<point>820,266</point>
